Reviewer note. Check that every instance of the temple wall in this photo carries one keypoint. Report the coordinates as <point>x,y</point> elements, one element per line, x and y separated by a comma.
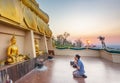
<point>27,21</point>
<point>42,43</point>
<point>29,47</point>
<point>24,40</point>
<point>49,43</point>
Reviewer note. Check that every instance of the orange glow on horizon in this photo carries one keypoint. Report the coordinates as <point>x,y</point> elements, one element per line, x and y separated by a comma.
<point>88,42</point>
<point>94,40</point>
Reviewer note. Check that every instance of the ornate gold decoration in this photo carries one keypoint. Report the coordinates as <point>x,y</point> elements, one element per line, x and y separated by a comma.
<point>35,3</point>
<point>40,25</point>
<point>30,19</point>
<point>26,14</point>
<point>37,49</point>
<point>33,7</point>
<point>8,9</point>
<point>48,32</point>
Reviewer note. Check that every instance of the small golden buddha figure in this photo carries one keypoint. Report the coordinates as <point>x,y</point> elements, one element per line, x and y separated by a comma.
<point>37,49</point>
<point>12,51</point>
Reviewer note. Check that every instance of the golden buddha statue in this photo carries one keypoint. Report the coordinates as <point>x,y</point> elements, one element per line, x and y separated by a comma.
<point>13,55</point>
<point>37,49</point>
<point>12,51</point>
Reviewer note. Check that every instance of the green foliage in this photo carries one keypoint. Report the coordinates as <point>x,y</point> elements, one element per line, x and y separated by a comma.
<point>113,51</point>
<point>61,42</point>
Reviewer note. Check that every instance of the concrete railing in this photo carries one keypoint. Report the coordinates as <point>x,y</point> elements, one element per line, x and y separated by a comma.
<point>114,57</point>
<point>85,52</point>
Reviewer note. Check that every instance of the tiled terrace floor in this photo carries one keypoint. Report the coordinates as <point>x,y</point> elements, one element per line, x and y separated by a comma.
<point>59,71</point>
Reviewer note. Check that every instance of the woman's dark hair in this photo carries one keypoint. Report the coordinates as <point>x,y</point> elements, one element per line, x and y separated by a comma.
<point>78,56</point>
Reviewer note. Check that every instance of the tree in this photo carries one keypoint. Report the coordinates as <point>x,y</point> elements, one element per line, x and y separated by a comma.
<point>101,38</point>
<point>78,43</point>
<point>60,39</point>
<point>65,35</point>
<point>53,41</point>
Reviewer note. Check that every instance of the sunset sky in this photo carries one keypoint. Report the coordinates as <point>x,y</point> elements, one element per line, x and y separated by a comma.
<point>84,19</point>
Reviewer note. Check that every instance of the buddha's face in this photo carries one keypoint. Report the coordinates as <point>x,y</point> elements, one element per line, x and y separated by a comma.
<point>13,41</point>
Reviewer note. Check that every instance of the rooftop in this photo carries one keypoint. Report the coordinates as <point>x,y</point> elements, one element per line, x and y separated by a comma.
<point>59,70</point>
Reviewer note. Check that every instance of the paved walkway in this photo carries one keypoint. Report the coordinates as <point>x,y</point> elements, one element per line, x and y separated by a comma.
<point>59,71</point>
